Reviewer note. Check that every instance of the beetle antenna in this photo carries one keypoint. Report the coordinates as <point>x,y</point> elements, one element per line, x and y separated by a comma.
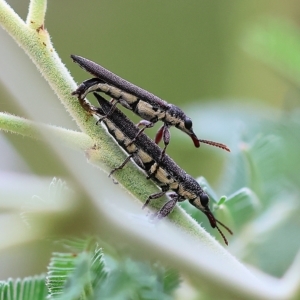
<point>222,234</point>
<point>219,145</point>
<point>228,229</point>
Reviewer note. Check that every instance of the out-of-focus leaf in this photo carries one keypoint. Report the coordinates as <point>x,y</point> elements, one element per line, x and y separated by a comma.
<point>257,165</point>
<point>273,236</point>
<point>243,206</point>
<point>60,267</point>
<point>137,281</point>
<point>171,280</point>
<point>75,276</point>
<point>79,244</point>
<point>277,43</point>
<point>29,288</point>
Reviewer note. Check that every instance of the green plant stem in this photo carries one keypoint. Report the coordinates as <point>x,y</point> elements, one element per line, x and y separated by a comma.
<point>26,128</point>
<point>36,14</point>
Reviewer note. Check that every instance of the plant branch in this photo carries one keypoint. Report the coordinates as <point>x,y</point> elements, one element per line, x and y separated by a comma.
<point>26,128</point>
<point>36,14</point>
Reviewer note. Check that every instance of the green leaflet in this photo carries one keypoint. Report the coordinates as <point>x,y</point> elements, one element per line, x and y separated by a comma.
<point>28,288</point>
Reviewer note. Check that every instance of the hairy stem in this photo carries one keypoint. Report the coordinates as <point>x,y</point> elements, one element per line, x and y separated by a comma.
<point>26,128</point>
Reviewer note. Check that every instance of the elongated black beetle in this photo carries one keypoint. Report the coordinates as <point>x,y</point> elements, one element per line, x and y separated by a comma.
<point>143,103</point>
<point>147,155</point>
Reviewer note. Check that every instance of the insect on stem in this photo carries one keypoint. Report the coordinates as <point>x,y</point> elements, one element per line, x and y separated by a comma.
<point>148,156</point>
<point>141,102</point>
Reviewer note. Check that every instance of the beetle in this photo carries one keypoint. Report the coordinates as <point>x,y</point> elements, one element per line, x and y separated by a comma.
<point>146,154</point>
<point>143,103</point>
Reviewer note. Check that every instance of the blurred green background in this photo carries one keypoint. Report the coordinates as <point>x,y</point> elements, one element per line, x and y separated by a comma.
<point>192,54</point>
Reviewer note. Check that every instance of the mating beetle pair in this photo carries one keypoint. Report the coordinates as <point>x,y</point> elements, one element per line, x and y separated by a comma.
<point>142,150</point>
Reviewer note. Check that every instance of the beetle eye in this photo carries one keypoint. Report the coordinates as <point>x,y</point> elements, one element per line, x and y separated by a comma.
<point>188,123</point>
<point>204,200</point>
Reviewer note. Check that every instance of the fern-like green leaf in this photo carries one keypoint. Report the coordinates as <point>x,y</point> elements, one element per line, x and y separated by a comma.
<point>75,276</point>
<point>59,269</point>
<point>78,284</point>
<point>29,288</point>
<point>86,275</point>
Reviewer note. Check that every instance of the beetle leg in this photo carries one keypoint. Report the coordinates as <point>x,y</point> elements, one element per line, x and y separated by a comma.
<point>168,207</point>
<point>122,165</point>
<point>147,124</point>
<point>164,189</point>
